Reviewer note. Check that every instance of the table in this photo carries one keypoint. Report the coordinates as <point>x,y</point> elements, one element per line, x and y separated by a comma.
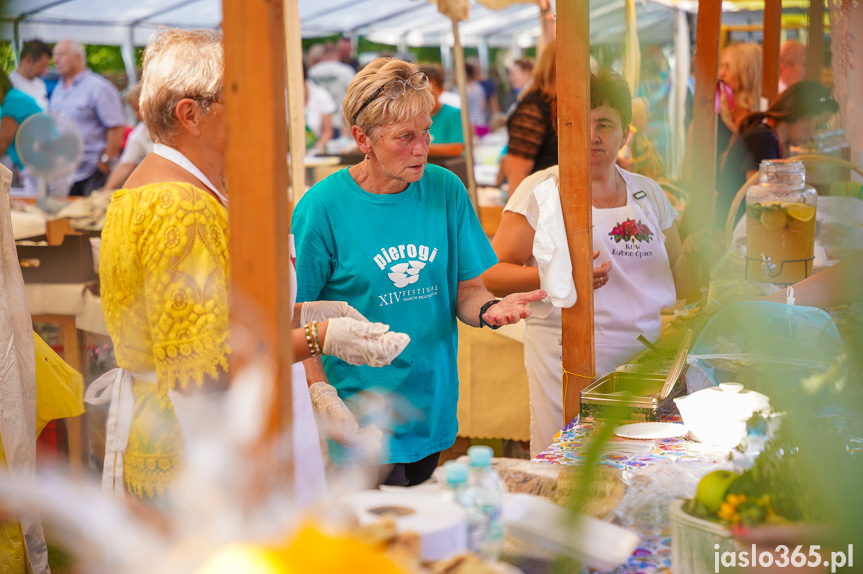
<point>494,399</point>
<point>653,554</point>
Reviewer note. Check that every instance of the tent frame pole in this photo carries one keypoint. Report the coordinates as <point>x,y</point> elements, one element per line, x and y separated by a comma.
<point>466,128</point>
<point>772,34</point>
<point>699,214</point>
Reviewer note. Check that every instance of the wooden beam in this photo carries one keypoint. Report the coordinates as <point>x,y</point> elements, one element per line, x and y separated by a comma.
<point>573,127</point>
<point>257,175</point>
<point>770,63</point>
<point>708,29</point>
<point>815,49</point>
<point>296,99</point>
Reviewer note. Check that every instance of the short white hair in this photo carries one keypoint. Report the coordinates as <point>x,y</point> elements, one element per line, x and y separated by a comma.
<point>179,64</point>
<point>76,47</point>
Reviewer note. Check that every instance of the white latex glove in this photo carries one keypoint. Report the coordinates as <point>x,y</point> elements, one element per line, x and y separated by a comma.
<point>323,310</point>
<point>369,438</point>
<point>339,422</point>
<point>359,343</point>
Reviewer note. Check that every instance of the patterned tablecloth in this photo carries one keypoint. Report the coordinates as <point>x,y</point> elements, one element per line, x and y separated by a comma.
<point>653,554</point>
<point>654,551</point>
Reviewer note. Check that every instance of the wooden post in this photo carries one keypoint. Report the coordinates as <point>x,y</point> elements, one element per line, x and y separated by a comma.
<point>296,99</point>
<point>257,176</point>
<point>700,212</point>
<point>573,129</point>
<point>815,49</point>
<point>770,63</point>
<point>466,127</point>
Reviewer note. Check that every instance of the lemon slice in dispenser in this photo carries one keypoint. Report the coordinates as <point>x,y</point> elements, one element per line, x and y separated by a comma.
<point>801,212</point>
<point>773,217</point>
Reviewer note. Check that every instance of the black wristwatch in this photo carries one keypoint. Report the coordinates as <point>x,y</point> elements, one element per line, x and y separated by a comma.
<point>482,311</point>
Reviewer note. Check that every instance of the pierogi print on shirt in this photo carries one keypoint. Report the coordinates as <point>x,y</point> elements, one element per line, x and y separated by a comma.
<point>632,234</point>
<point>403,264</point>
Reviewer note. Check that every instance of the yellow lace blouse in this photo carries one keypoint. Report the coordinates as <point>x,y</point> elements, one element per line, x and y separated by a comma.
<point>163,271</point>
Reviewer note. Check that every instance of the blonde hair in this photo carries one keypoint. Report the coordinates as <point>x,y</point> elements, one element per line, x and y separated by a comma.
<point>384,110</point>
<point>745,63</point>
<point>544,79</point>
<point>179,64</point>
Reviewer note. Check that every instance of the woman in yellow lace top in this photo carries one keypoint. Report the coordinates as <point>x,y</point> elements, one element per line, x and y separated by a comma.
<point>164,277</point>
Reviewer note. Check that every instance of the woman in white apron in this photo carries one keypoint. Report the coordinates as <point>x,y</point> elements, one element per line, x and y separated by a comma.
<point>164,278</point>
<point>637,249</point>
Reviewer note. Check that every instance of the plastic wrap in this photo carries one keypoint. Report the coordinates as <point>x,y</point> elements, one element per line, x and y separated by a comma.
<point>651,490</point>
<point>762,344</point>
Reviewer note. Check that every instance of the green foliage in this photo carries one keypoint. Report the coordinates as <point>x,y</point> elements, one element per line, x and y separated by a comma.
<point>7,57</point>
<point>105,59</point>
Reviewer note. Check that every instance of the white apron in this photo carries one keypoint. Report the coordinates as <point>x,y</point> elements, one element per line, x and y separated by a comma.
<point>640,283</point>
<point>638,288</point>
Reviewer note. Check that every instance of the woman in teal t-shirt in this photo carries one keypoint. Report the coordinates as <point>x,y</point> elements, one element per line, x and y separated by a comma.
<point>16,107</point>
<point>399,241</point>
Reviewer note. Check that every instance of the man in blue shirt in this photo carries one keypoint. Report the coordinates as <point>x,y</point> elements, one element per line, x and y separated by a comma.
<point>94,104</point>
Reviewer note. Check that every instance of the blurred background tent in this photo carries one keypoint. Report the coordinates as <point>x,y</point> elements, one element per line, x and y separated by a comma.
<point>666,27</point>
<point>394,22</point>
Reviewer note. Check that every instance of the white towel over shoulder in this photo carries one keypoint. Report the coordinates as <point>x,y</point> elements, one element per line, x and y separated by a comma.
<point>550,248</point>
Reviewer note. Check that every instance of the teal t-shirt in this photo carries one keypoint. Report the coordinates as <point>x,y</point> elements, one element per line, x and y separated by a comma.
<point>397,259</point>
<point>19,106</point>
<point>446,126</point>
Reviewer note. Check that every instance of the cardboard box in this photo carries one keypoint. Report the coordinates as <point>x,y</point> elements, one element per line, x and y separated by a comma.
<point>69,262</point>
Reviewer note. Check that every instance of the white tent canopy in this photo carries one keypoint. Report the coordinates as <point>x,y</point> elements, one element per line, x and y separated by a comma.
<point>395,22</point>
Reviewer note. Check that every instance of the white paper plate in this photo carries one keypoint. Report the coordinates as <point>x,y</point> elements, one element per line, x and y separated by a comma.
<point>651,430</point>
<point>596,544</point>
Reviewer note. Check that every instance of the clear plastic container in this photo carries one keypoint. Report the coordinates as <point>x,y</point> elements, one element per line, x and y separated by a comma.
<point>780,224</point>
<point>460,492</point>
<point>489,490</point>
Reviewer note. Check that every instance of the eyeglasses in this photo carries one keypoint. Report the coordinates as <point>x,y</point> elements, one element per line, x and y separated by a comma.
<point>395,89</point>
<point>206,99</point>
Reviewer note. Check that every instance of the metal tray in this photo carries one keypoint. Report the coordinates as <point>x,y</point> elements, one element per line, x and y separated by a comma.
<point>628,397</point>
<point>636,396</point>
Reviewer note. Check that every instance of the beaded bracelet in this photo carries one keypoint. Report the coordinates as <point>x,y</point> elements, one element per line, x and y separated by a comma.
<point>311,338</point>
<point>314,327</point>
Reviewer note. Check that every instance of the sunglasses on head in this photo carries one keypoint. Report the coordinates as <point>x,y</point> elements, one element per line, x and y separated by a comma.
<point>395,89</point>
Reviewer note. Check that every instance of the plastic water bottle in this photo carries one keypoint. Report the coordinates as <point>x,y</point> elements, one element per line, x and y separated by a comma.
<point>489,494</point>
<point>460,492</point>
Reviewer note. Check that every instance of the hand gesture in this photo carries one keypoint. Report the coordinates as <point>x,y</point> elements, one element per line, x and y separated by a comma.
<point>699,244</point>
<point>512,308</point>
<point>600,274</point>
<point>360,343</point>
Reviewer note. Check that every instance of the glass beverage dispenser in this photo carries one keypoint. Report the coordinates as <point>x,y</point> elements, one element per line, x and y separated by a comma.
<point>780,224</point>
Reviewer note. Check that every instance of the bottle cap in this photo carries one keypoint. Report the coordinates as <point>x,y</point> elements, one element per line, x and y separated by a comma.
<point>456,473</point>
<point>480,455</point>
